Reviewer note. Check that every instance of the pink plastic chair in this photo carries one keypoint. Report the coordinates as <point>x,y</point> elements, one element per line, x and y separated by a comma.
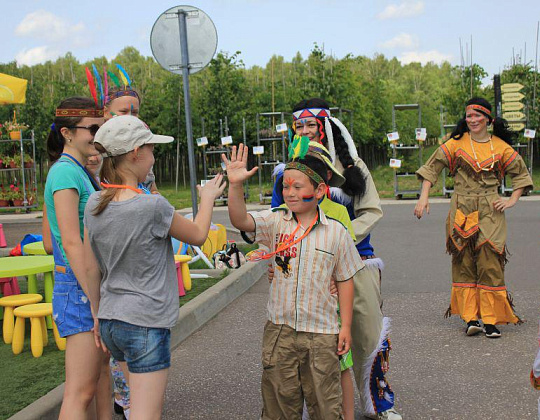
<point>181,290</point>
<point>9,286</point>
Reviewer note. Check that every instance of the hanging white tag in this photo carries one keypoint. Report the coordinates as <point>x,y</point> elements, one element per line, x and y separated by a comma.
<point>281,128</point>
<point>394,136</point>
<point>226,140</point>
<point>421,134</point>
<point>258,150</point>
<point>202,141</point>
<point>395,163</point>
<point>530,134</point>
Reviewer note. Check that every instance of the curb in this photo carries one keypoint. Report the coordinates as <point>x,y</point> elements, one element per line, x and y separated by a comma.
<point>193,315</point>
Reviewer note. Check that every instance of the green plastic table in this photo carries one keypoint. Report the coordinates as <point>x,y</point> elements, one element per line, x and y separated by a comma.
<point>35,248</point>
<point>30,266</point>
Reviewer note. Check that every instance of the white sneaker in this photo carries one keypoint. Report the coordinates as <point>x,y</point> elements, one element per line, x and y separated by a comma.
<point>390,414</point>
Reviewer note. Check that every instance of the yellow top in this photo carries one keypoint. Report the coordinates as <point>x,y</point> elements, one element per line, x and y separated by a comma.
<point>38,309</point>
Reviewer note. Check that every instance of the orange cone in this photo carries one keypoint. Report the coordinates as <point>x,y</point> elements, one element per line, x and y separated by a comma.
<point>3,243</point>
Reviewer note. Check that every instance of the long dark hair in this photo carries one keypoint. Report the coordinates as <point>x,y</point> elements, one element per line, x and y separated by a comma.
<point>500,125</point>
<point>55,140</point>
<point>355,180</point>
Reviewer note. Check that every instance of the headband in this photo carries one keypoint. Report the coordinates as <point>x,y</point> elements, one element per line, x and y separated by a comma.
<point>126,92</point>
<point>480,108</point>
<point>89,112</point>
<point>305,170</point>
<point>311,113</point>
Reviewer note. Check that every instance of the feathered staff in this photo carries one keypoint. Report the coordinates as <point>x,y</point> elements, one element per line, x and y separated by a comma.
<point>299,147</point>
<point>91,86</point>
<point>124,76</point>
<point>100,86</point>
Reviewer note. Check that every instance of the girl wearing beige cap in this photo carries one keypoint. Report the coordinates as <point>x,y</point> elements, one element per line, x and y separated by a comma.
<point>129,250</point>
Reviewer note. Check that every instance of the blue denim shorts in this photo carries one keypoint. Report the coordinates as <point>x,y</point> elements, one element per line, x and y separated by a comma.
<point>71,307</point>
<point>143,349</point>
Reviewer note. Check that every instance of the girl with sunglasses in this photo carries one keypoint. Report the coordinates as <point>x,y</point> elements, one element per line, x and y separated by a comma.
<point>476,225</point>
<point>69,184</point>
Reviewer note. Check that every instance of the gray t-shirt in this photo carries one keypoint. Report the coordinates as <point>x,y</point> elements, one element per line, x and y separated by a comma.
<point>131,242</point>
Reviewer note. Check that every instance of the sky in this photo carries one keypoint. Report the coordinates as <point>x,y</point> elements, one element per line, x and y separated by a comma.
<point>34,31</point>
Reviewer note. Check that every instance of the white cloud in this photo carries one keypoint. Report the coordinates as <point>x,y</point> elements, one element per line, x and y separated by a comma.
<point>403,41</point>
<point>46,26</point>
<point>424,57</point>
<point>36,56</point>
<point>406,8</point>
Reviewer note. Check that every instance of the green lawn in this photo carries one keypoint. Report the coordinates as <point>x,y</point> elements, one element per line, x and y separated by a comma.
<point>24,378</point>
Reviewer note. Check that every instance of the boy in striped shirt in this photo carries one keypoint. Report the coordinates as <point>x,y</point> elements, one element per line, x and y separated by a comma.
<point>302,340</point>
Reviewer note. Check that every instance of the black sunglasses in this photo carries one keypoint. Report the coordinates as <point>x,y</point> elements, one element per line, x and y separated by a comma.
<point>92,128</point>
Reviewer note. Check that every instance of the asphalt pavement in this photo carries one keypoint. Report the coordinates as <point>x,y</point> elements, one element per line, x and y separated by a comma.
<point>437,372</point>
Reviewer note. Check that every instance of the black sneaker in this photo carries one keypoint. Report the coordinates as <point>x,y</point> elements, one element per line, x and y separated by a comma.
<point>492,331</point>
<point>473,328</point>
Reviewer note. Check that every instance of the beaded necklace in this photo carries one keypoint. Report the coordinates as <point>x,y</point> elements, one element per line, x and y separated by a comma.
<point>476,157</point>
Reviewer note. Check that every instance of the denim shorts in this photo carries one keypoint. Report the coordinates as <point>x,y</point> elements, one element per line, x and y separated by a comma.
<point>71,307</point>
<point>143,349</point>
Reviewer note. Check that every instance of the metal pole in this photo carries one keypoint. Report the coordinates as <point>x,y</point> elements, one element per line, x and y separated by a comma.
<point>204,151</point>
<point>187,103</point>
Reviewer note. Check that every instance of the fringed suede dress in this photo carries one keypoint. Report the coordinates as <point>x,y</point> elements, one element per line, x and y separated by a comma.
<point>475,231</point>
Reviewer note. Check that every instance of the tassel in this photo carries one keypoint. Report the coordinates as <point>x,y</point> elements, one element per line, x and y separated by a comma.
<point>330,137</point>
<point>347,136</point>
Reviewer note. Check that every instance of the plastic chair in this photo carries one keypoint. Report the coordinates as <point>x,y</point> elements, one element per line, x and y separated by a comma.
<point>9,286</point>
<point>182,273</point>
<point>11,302</point>
<point>38,329</point>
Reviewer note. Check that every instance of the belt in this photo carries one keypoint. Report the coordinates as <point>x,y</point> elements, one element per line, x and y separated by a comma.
<point>478,193</point>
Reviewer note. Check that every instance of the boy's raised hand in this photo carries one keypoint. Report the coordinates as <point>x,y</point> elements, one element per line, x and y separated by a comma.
<point>213,188</point>
<point>237,167</point>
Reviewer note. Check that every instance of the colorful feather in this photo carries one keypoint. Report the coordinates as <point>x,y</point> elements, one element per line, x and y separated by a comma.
<point>114,78</point>
<point>105,86</point>
<point>91,86</point>
<point>124,75</point>
<point>299,147</point>
<point>99,86</point>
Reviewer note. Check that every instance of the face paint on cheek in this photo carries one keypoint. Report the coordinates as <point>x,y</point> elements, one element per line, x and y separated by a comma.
<point>308,198</point>
<point>131,111</point>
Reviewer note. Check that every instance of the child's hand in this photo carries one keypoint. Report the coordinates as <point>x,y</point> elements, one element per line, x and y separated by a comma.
<point>213,188</point>
<point>344,341</point>
<point>237,167</point>
<point>270,273</point>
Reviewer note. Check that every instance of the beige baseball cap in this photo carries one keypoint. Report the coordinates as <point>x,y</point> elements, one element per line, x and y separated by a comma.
<point>123,133</point>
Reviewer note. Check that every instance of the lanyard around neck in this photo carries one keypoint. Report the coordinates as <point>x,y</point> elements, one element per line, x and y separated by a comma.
<point>90,176</point>
<point>123,187</point>
<point>288,243</point>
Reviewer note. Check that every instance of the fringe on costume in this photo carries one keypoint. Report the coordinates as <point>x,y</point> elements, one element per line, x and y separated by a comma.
<point>462,163</point>
<point>455,252</point>
<point>365,396</point>
<point>374,263</point>
<point>511,303</point>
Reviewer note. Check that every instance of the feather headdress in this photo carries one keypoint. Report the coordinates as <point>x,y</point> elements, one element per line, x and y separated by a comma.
<point>299,147</point>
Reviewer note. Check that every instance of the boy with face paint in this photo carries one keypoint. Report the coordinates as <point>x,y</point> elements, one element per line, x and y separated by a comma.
<point>302,339</point>
<point>370,328</point>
